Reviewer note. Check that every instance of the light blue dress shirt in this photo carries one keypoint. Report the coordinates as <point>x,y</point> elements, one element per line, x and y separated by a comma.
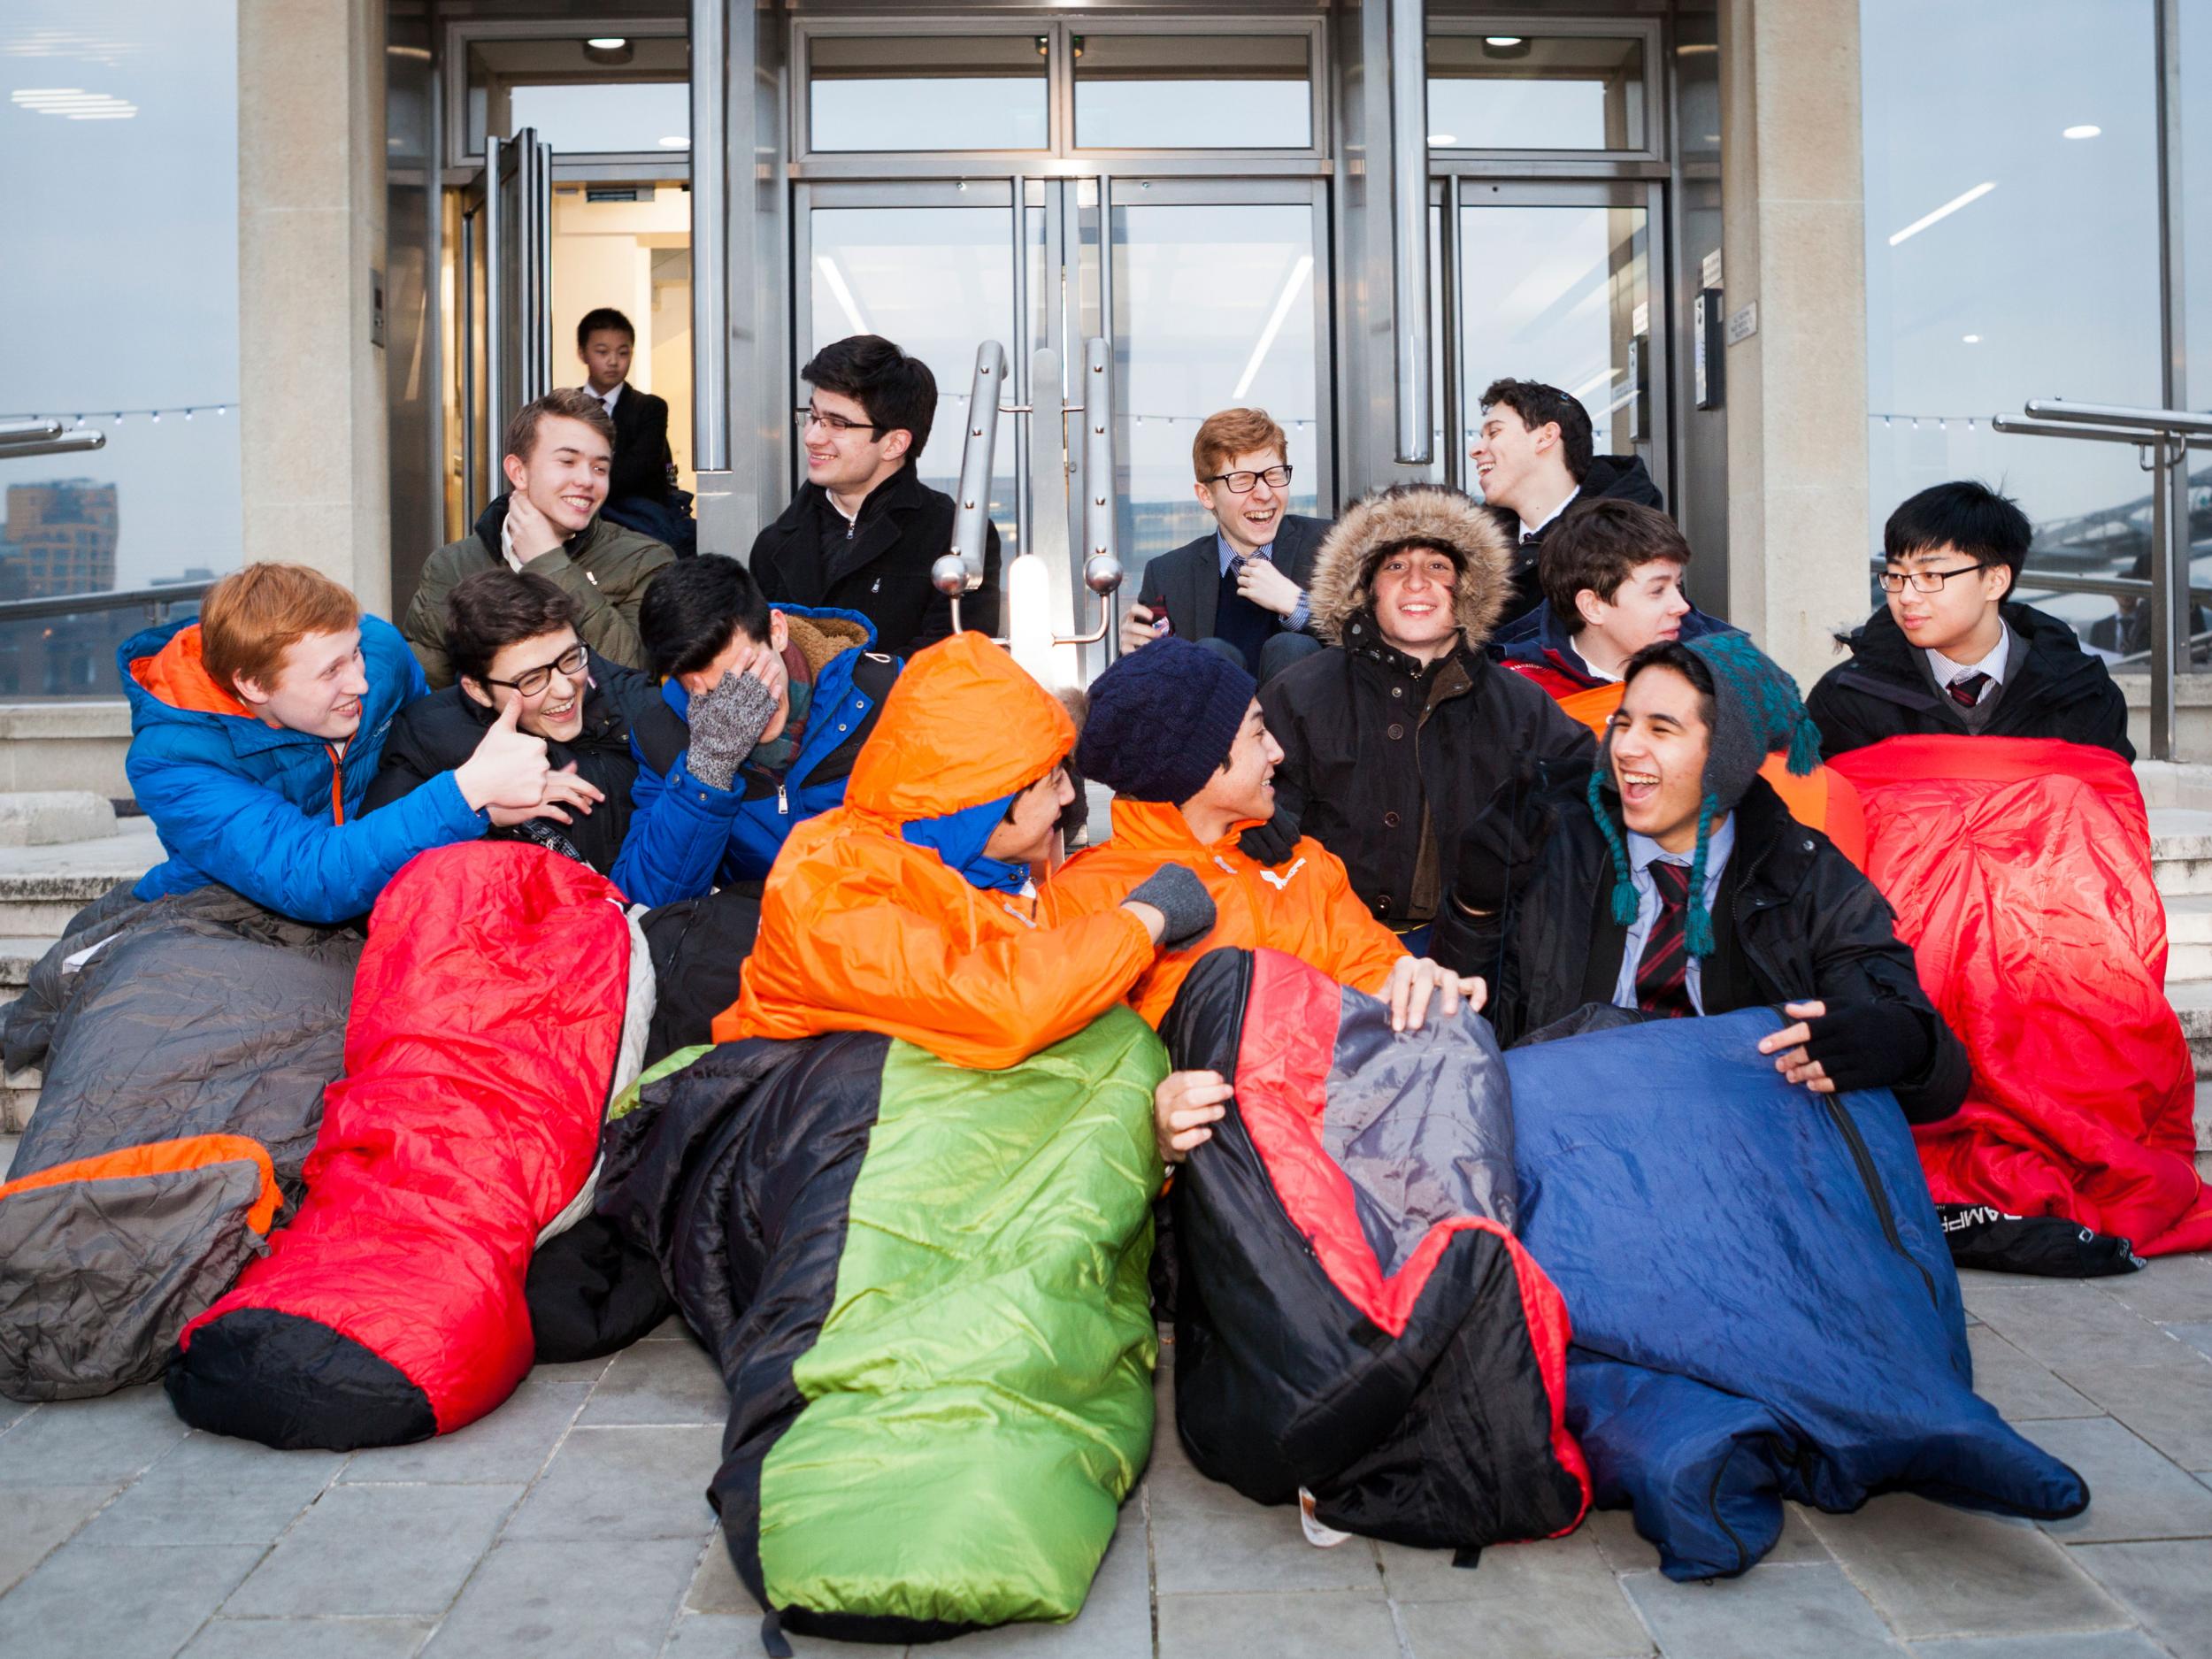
<point>1643,852</point>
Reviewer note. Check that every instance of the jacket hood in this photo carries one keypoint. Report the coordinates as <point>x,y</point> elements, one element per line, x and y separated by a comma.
<point>963,725</point>
<point>164,677</point>
<point>1159,826</point>
<point>495,515</point>
<point>1407,515</point>
<point>1619,477</point>
<point>822,634</point>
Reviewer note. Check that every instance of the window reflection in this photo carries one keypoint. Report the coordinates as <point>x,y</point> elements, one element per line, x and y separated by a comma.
<point>1192,92</point>
<point>1533,92</point>
<point>926,92</point>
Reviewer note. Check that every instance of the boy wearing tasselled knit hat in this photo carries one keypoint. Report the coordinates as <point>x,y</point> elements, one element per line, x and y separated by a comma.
<point>1676,883</point>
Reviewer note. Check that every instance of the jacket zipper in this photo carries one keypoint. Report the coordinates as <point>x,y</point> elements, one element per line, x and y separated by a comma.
<point>783,802</point>
<point>1244,998</point>
<point>337,786</point>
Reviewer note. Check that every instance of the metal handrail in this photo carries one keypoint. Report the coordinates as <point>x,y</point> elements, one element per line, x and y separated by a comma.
<point>21,440</point>
<point>122,599</point>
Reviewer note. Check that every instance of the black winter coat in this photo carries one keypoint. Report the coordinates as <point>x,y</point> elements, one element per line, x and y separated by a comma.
<point>642,458</point>
<point>437,732</point>
<point>1794,920</point>
<point>1611,478</point>
<point>2060,691</point>
<point>882,570</point>
<point>1386,762</point>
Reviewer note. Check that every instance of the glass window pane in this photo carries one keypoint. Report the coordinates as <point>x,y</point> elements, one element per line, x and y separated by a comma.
<point>2196,208</point>
<point>1984,126</point>
<point>1213,309</point>
<point>1532,92</point>
<point>582,100</point>
<point>1192,92</point>
<point>1553,294</point>
<point>940,282</point>
<point>927,92</point>
<point>121,138</point>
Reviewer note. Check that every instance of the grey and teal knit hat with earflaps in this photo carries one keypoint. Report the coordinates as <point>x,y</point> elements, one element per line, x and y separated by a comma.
<point>1755,713</point>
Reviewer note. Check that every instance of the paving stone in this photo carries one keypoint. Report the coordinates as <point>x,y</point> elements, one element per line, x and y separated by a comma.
<point>508,1447</point>
<point>324,1638</point>
<point>2198,1336</point>
<point>12,1411</point>
<point>212,1489</point>
<point>86,1602</point>
<point>2167,1404</point>
<point>660,1382</point>
<point>2172,1288</point>
<point>2133,1491</point>
<point>607,1482</point>
<point>376,1550</point>
<point>1326,1624</point>
<point>2164,1583</point>
<point>1629,1551</point>
<point>582,1370</point>
<point>1557,1597</point>
<point>34,1520</point>
<point>1116,1622</point>
<point>84,1442</point>
<point>715,1587</point>
<point>1803,1611</point>
<point>2104,1644</point>
<point>2070,1325</point>
<point>721,1635</point>
<point>2023,1390</point>
<point>1905,1552</point>
<point>614,1598</point>
<point>1209,1538</point>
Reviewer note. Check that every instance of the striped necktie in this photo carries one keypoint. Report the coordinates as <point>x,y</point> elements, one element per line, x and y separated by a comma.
<point>1966,690</point>
<point>1663,972</point>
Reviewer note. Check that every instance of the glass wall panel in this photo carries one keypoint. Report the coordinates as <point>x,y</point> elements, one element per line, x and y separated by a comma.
<point>1535,92</point>
<point>583,99</point>
<point>1213,309</point>
<point>927,92</point>
<point>2012,252</point>
<point>119,124</point>
<point>1192,92</point>
<point>1555,294</point>
<point>939,281</point>
<point>2196,225</point>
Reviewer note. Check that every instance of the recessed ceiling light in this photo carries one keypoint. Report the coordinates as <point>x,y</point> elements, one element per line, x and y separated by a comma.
<point>607,42</point>
<point>1443,141</point>
<point>675,142</point>
<point>614,50</point>
<point>1971,340</point>
<point>1501,40</point>
<point>2084,131</point>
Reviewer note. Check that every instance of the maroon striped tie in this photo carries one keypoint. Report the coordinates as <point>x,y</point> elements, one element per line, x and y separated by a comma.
<point>1966,690</point>
<point>1663,972</point>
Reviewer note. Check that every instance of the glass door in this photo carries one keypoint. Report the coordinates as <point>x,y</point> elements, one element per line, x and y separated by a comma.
<point>506,280</point>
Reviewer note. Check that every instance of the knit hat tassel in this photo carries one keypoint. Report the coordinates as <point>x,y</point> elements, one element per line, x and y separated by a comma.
<point>1623,884</point>
<point>1697,934</point>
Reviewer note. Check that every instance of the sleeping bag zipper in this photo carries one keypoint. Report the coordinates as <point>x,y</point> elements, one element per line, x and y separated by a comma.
<point>1872,1180</point>
<point>1244,1001</point>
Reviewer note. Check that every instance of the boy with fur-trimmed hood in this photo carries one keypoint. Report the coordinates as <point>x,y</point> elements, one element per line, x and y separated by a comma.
<point>1396,739</point>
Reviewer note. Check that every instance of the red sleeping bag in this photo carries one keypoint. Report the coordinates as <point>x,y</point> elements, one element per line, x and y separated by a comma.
<point>487,1017</point>
<point>2020,868</point>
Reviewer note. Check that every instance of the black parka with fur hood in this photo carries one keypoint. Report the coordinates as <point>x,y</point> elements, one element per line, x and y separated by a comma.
<point>1385,760</point>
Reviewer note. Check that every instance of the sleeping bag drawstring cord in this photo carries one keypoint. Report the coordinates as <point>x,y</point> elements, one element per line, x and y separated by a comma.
<point>777,1644</point>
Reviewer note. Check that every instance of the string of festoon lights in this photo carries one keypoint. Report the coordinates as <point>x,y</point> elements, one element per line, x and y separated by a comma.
<point>1940,423</point>
<point>75,420</point>
<point>1139,419</point>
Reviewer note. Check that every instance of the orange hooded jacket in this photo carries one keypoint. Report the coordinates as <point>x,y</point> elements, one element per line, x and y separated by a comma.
<point>862,931</point>
<point>1304,907</point>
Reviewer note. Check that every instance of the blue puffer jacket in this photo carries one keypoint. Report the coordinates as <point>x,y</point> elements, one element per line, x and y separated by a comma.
<point>1763,1305</point>
<point>1540,641</point>
<point>685,839</point>
<point>269,811</point>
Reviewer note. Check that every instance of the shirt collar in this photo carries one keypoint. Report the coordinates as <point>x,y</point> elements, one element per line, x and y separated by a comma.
<point>1995,664</point>
<point>607,401</point>
<point>1528,529</point>
<point>1228,553</point>
<point>1643,852</point>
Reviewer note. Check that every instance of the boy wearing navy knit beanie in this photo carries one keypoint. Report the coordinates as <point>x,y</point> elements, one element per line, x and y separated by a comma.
<point>1676,883</point>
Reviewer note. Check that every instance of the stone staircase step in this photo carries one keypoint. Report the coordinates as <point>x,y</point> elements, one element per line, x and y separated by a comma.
<point>18,1098</point>
<point>2181,850</point>
<point>2188,937</point>
<point>2193,1001</point>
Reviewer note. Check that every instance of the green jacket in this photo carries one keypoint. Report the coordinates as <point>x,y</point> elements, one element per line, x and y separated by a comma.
<point>603,568</point>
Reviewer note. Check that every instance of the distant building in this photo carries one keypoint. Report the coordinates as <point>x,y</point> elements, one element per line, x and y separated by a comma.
<point>61,537</point>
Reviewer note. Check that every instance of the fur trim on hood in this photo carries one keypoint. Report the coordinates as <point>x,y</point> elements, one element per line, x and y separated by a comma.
<point>1407,515</point>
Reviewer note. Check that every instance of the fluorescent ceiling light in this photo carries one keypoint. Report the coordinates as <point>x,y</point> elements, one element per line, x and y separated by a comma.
<point>2083,131</point>
<point>1299,273</point>
<point>1970,340</point>
<point>1443,141</point>
<point>607,42</point>
<point>675,142</point>
<point>843,294</point>
<point>1945,212</point>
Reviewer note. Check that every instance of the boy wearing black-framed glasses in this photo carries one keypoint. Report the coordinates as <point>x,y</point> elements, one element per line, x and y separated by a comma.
<point>1241,589</point>
<point>1951,652</point>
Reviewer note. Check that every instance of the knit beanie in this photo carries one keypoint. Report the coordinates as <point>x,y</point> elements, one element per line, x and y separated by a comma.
<point>1755,713</point>
<point>1162,720</point>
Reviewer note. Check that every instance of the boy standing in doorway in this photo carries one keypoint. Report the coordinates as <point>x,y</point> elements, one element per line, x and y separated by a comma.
<point>643,465</point>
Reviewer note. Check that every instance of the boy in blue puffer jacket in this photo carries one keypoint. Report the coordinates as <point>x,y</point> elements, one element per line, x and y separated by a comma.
<point>778,703</point>
<point>256,730</point>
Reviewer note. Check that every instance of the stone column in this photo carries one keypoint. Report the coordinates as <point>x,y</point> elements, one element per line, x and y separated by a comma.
<point>1792,241</point>
<point>311,248</point>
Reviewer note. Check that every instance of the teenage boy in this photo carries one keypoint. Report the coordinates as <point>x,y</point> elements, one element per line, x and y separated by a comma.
<point>257,729</point>
<point>1533,458</point>
<point>557,456</point>
<point>1677,883</point>
<point>776,704</point>
<point>1244,582</point>
<point>863,530</point>
<point>643,465</point>
<point>911,909</point>
<point>1397,738</point>
<point>1612,575</point>
<point>1950,653</point>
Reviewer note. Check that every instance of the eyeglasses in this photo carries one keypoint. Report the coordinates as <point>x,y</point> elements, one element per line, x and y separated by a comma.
<point>808,416</point>
<point>1241,483</point>
<point>1922,581</point>
<point>531,681</point>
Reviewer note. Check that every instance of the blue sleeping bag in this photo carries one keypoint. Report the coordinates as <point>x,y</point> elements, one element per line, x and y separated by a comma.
<point>1763,1306</point>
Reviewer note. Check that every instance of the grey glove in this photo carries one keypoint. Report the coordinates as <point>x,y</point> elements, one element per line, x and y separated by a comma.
<point>725,723</point>
<point>1181,897</point>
